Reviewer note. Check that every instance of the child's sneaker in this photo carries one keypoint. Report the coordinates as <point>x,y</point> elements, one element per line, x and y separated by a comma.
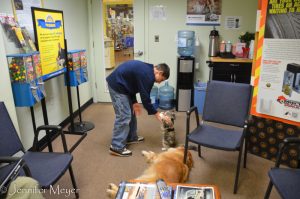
<point>138,140</point>
<point>120,152</point>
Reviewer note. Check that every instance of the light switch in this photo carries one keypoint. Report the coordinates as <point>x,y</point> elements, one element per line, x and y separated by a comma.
<point>156,38</point>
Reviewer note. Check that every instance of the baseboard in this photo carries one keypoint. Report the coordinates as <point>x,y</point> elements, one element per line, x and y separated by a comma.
<point>42,143</point>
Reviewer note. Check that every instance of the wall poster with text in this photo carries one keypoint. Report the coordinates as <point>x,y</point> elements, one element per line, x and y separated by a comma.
<point>22,12</point>
<point>203,12</point>
<point>277,75</point>
<point>50,39</point>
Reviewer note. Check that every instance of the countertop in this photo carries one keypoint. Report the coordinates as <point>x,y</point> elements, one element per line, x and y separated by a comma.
<point>231,60</point>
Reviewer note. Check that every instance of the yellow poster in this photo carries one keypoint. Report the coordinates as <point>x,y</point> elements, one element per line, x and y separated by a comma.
<point>49,33</point>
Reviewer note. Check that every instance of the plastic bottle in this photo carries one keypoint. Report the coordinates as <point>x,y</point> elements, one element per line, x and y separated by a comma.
<point>166,96</point>
<point>228,47</point>
<point>154,96</point>
<point>186,40</point>
<point>222,47</point>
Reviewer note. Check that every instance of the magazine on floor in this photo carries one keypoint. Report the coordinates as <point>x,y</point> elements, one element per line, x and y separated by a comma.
<point>129,190</point>
<point>193,192</point>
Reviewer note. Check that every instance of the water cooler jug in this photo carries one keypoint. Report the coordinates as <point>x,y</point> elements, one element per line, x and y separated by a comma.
<point>186,42</point>
<point>154,96</point>
<point>166,96</point>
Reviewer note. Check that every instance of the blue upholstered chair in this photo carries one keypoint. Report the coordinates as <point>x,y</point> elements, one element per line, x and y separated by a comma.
<point>286,180</point>
<point>225,103</point>
<point>45,167</point>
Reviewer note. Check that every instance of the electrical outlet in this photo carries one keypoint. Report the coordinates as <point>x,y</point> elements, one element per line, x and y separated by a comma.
<point>156,38</point>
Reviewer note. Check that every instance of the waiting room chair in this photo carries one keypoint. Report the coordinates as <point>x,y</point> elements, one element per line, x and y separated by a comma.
<point>45,167</point>
<point>286,180</point>
<point>225,103</point>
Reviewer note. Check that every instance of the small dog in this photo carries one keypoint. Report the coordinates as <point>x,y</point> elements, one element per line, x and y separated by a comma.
<point>167,165</point>
<point>168,131</point>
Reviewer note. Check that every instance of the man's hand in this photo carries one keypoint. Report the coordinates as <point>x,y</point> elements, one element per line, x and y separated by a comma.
<point>162,117</point>
<point>137,110</point>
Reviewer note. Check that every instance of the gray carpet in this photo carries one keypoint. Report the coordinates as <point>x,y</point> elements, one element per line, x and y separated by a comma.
<point>95,168</point>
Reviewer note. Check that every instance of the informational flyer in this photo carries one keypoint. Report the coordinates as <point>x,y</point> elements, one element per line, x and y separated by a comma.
<point>158,13</point>
<point>49,34</point>
<point>233,22</point>
<point>277,77</point>
<point>203,12</point>
<point>22,10</point>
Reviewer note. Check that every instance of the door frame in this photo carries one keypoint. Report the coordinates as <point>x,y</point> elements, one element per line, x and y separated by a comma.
<point>97,43</point>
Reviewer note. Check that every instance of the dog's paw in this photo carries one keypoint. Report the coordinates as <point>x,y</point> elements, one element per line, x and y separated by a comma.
<point>112,190</point>
<point>150,155</point>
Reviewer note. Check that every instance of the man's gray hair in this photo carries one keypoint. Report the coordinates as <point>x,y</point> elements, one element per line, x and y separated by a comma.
<point>164,68</point>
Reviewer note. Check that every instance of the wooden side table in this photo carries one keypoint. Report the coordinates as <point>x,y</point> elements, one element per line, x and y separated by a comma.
<point>215,188</point>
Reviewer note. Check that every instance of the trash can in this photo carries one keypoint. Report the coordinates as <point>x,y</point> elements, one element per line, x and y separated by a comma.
<point>199,96</point>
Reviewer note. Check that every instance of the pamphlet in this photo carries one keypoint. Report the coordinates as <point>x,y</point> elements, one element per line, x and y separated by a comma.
<point>186,192</point>
<point>139,191</point>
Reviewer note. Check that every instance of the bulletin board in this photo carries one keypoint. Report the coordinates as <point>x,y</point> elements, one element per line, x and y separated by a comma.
<point>277,71</point>
<point>50,40</point>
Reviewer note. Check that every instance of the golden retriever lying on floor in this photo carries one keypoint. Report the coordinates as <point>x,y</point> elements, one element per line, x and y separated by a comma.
<point>167,165</point>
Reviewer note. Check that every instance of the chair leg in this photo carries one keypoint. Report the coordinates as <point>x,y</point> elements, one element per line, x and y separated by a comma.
<point>245,153</point>
<point>185,150</point>
<point>269,189</point>
<point>238,170</point>
<point>73,181</point>
<point>199,150</point>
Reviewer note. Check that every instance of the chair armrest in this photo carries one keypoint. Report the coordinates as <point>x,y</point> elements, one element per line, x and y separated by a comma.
<point>192,109</point>
<point>51,129</point>
<point>282,146</point>
<point>20,162</point>
<point>188,117</point>
<point>8,159</point>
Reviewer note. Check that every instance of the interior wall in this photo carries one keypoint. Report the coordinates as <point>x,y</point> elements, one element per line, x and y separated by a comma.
<point>77,35</point>
<point>5,87</point>
<point>166,49</point>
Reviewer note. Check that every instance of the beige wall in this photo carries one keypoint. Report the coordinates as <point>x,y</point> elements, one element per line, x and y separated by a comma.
<point>166,49</point>
<point>77,35</point>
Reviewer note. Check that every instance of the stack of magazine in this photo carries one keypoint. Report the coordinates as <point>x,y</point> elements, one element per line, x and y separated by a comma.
<point>129,190</point>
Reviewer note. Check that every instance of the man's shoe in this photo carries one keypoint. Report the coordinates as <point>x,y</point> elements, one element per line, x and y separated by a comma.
<point>120,152</point>
<point>138,140</point>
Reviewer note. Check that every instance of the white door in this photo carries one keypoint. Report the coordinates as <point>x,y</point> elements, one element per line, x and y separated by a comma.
<point>101,94</point>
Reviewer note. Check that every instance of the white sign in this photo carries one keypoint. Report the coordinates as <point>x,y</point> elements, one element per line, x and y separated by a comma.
<point>233,22</point>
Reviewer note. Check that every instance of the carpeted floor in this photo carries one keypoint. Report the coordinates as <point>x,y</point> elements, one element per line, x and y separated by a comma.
<point>95,168</point>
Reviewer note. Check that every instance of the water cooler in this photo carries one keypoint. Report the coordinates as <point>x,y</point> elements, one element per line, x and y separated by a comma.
<point>185,83</point>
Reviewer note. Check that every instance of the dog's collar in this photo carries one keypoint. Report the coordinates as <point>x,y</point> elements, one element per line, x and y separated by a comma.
<point>170,129</point>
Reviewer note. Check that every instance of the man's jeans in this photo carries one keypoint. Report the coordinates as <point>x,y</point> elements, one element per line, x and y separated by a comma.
<point>125,122</point>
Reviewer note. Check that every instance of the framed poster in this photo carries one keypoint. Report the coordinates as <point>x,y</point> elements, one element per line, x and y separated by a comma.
<point>277,72</point>
<point>203,12</point>
<point>50,39</point>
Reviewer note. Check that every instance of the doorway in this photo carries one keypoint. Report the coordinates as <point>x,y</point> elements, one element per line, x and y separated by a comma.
<point>118,33</point>
<point>111,49</point>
